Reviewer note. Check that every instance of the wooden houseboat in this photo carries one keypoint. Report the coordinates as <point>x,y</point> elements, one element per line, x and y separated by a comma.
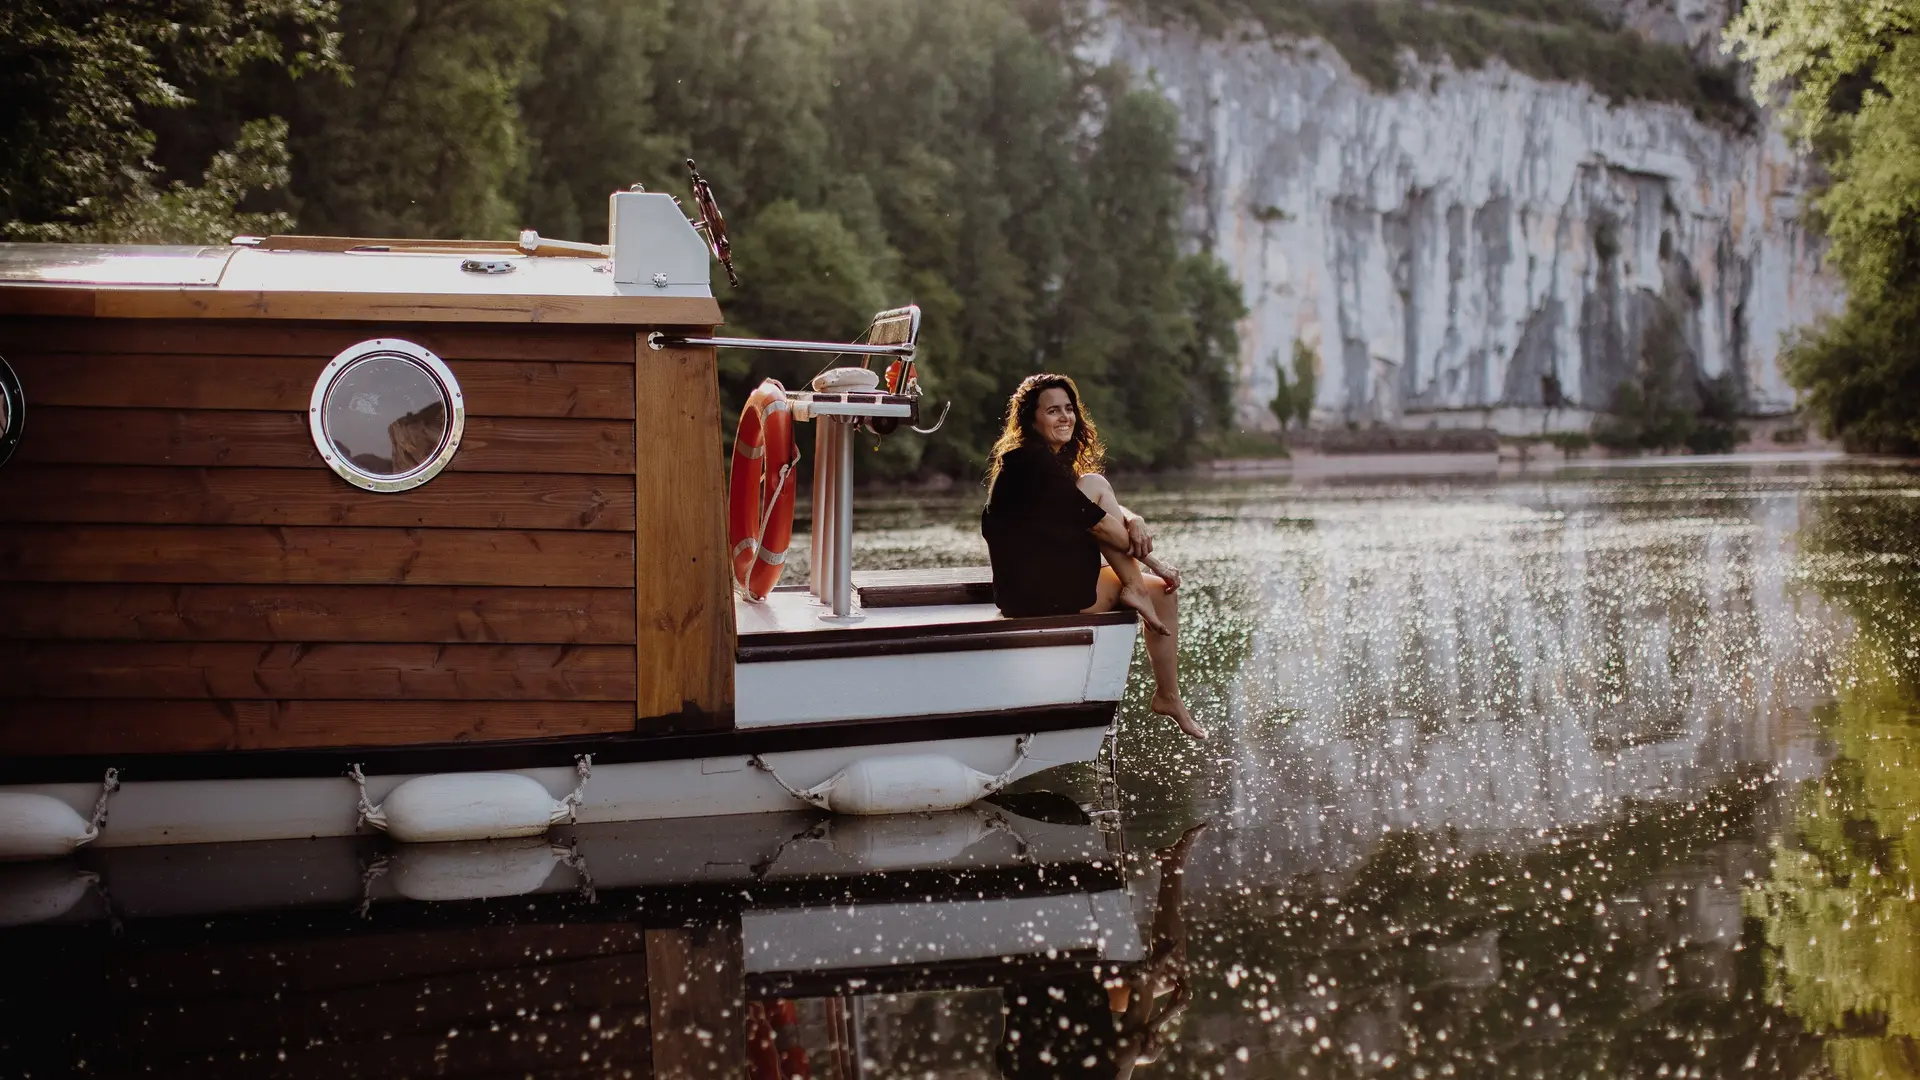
<point>304,535</point>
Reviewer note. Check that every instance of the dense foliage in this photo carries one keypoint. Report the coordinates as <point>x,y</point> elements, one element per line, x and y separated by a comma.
<point>1841,922</point>
<point>867,152</point>
<point>1660,408</point>
<point>80,84</point>
<point>1293,398</point>
<point>1850,74</point>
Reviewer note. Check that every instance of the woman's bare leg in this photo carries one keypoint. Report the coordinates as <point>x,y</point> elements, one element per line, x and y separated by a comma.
<point>1123,583</point>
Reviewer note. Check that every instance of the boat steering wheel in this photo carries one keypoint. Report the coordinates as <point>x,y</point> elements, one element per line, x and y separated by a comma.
<point>712,223</point>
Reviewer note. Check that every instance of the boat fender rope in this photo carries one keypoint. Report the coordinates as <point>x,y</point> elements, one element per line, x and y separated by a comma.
<point>564,810</point>
<point>569,854</point>
<point>1020,747</point>
<point>369,814</point>
<point>108,785</point>
<point>819,794</point>
<point>370,871</point>
<point>1022,851</point>
<point>812,796</point>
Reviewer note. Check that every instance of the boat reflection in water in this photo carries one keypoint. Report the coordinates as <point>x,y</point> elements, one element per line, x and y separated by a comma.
<point>994,940</point>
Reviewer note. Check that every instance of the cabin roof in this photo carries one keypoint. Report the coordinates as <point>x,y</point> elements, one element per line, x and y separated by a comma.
<point>329,278</point>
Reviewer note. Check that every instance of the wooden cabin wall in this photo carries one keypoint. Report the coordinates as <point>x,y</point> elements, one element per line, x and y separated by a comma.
<point>179,571</point>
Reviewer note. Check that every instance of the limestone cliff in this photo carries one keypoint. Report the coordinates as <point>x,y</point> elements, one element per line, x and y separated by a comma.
<point>1448,246</point>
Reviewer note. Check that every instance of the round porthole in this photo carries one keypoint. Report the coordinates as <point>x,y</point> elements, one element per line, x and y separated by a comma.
<point>387,415</point>
<point>13,411</point>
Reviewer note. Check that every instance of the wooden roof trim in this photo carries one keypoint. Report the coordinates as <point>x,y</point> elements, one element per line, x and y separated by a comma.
<point>365,243</point>
<point>337,244</point>
<point>191,302</point>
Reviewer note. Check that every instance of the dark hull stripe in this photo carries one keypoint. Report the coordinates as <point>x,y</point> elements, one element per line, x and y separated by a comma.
<point>540,753</point>
<point>914,645</point>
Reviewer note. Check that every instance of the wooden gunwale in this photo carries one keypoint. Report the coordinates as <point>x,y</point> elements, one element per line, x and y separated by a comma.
<point>918,643</point>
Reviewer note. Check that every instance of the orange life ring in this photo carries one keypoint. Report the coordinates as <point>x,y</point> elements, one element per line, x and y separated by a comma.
<point>759,497</point>
<point>774,1049</point>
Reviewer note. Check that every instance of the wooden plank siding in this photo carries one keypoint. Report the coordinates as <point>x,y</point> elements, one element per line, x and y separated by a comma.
<point>42,726</point>
<point>285,383</point>
<point>316,672</point>
<point>272,555</point>
<point>179,571</point>
<point>312,613</point>
<point>279,440</point>
<point>137,495</point>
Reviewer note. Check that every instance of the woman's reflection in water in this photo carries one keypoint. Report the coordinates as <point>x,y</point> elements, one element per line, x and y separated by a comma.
<point>1074,1026</point>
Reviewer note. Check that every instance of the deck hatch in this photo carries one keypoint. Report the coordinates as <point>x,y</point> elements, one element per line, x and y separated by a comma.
<point>387,415</point>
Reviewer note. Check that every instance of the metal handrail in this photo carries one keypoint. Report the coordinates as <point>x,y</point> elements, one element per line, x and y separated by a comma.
<point>663,341</point>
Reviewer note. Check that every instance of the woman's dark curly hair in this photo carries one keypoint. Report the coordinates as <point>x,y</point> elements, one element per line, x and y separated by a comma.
<point>1083,454</point>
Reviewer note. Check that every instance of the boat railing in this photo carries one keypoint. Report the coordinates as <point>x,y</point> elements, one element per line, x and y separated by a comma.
<point>892,333</point>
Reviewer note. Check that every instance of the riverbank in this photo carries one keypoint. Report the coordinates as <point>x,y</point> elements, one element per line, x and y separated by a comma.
<point>1495,463</point>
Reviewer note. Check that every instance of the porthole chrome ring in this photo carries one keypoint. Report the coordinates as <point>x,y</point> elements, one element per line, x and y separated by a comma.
<point>13,411</point>
<point>389,349</point>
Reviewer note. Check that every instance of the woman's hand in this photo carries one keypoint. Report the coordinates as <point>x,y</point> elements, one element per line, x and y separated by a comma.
<point>1168,574</point>
<point>1139,540</point>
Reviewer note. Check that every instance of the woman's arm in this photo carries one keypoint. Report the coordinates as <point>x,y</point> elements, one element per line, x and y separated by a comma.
<point>1138,542</point>
<point>1112,532</point>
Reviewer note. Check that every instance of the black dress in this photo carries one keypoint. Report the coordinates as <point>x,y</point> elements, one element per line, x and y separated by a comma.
<point>1045,562</point>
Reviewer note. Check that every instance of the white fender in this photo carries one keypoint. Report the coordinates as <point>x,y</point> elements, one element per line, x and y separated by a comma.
<point>40,827</point>
<point>473,870</point>
<point>902,784</point>
<point>32,894</point>
<point>893,843</point>
<point>468,806</point>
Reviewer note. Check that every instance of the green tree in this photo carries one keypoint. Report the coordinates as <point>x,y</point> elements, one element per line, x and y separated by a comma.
<point>587,107</point>
<point>208,214</point>
<point>1839,911</point>
<point>1306,380</point>
<point>81,82</point>
<point>1851,73</point>
<point>425,139</point>
<point>965,156</point>
<point>1282,405</point>
<point>1662,407</point>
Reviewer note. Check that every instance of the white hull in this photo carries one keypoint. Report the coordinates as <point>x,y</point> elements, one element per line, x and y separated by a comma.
<point>225,811</point>
<point>989,680</point>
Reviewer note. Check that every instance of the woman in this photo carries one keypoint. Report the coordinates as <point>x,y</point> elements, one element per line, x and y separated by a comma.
<point>1066,1025</point>
<point>1050,520</point>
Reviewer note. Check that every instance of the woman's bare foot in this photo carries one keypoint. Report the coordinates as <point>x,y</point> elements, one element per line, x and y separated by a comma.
<point>1135,597</point>
<point>1176,709</point>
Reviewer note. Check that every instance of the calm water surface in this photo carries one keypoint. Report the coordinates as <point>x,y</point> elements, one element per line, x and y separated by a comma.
<point>1603,773</point>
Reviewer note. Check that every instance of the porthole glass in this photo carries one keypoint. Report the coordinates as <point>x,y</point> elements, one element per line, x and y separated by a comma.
<point>13,411</point>
<point>387,415</point>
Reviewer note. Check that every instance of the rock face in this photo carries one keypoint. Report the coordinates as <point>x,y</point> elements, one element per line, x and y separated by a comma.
<point>1459,250</point>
